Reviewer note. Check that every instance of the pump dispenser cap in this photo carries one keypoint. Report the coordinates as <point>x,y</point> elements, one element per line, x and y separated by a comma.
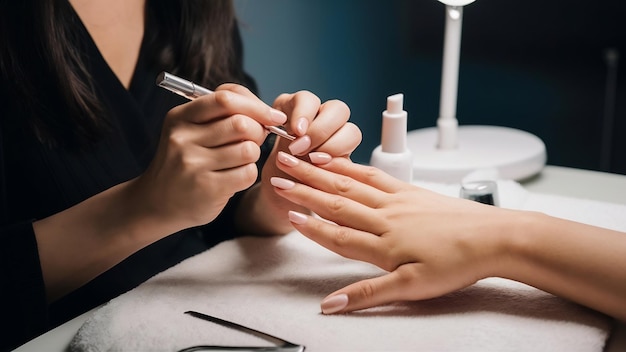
<point>393,138</point>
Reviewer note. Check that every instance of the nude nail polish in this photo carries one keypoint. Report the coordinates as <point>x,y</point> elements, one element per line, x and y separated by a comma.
<point>334,304</point>
<point>300,145</point>
<point>296,217</point>
<point>282,183</point>
<point>302,126</point>
<point>320,158</point>
<point>287,159</point>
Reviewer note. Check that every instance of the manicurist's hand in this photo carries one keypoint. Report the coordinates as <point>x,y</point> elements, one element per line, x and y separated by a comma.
<point>433,244</point>
<point>318,126</point>
<point>207,152</point>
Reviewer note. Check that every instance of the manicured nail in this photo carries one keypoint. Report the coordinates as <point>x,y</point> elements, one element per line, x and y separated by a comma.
<point>302,126</point>
<point>287,159</point>
<point>282,183</point>
<point>296,217</point>
<point>333,304</point>
<point>320,158</point>
<point>278,116</point>
<point>300,145</point>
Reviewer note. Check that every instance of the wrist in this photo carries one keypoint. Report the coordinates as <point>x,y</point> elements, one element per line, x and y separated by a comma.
<point>144,220</point>
<point>517,241</point>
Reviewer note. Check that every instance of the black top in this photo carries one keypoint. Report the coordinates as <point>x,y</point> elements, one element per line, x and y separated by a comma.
<point>36,181</point>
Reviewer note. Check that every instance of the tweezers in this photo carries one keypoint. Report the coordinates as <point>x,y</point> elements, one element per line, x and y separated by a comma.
<point>192,91</point>
<point>285,346</point>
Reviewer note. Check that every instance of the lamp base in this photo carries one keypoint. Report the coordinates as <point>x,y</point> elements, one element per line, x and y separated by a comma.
<point>515,154</point>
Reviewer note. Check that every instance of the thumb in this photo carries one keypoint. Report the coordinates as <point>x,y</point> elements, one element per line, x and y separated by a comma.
<point>367,293</point>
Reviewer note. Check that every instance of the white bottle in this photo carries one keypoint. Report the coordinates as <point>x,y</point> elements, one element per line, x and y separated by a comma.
<point>392,155</point>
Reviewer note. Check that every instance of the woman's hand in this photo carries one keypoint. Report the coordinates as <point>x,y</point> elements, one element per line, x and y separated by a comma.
<point>318,126</point>
<point>207,152</point>
<point>433,244</point>
<point>430,244</point>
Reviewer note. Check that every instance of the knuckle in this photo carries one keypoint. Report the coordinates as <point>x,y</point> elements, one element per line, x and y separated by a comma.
<point>249,175</point>
<point>407,275</point>
<point>336,204</point>
<point>237,88</point>
<point>343,185</point>
<point>307,173</point>
<point>367,290</point>
<point>224,98</point>
<point>177,139</point>
<point>250,152</point>
<point>284,101</point>
<point>239,124</point>
<point>306,94</point>
<point>283,97</point>
<point>355,131</point>
<point>315,98</point>
<point>341,105</point>
<point>388,262</point>
<point>341,236</point>
<point>371,173</point>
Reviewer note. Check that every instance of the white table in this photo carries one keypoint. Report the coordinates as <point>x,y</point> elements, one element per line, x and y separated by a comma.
<point>552,180</point>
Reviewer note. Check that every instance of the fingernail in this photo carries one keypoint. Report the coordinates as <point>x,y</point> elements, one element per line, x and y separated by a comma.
<point>278,116</point>
<point>282,183</point>
<point>333,304</point>
<point>302,126</point>
<point>300,145</point>
<point>287,159</point>
<point>320,158</point>
<point>296,217</point>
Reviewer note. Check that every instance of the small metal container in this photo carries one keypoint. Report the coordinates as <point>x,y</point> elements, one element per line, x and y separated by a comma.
<point>481,191</point>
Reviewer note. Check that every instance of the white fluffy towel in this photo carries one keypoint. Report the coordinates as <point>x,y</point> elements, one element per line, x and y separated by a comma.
<point>275,285</point>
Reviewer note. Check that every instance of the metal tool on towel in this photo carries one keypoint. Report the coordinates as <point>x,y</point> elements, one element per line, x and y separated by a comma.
<point>281,345</point>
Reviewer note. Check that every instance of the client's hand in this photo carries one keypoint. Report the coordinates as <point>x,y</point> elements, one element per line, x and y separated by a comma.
<point>430,244</point>
<point>320,126</point>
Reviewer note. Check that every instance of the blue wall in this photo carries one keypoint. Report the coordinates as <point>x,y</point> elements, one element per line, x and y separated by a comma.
<point>541,70</point>
<point>334,49</point>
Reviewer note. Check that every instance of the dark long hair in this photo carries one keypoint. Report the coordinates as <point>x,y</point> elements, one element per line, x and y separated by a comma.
<point>40,52</point>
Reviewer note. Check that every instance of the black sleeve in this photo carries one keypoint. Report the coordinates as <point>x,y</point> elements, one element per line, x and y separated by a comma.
<point>22,291</point>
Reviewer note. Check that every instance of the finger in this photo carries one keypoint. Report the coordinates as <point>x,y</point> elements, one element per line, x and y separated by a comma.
<point>218,133</point>
<point>327,181</point>
<point>233,129</point>
<point>330,118</point>
<point>227,100</point>
<point>302,106</point>
<point>230,156</point>
<point>365,174</point>
<point>332,115</point>
<point>236,179</point>
<point>237,88</point>
<point>398,285</point>
<point>338,209</point>
<point>343,142</point>
<point>345,241</point>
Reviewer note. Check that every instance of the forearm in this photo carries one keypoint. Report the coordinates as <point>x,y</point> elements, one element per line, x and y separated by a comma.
<point>89,238</point>
<point>579,262</point>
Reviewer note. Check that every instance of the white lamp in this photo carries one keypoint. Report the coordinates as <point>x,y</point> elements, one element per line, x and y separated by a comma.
<point>450,152</point>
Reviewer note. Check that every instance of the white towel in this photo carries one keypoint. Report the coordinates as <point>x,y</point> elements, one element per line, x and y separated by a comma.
<point>275,285</point>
